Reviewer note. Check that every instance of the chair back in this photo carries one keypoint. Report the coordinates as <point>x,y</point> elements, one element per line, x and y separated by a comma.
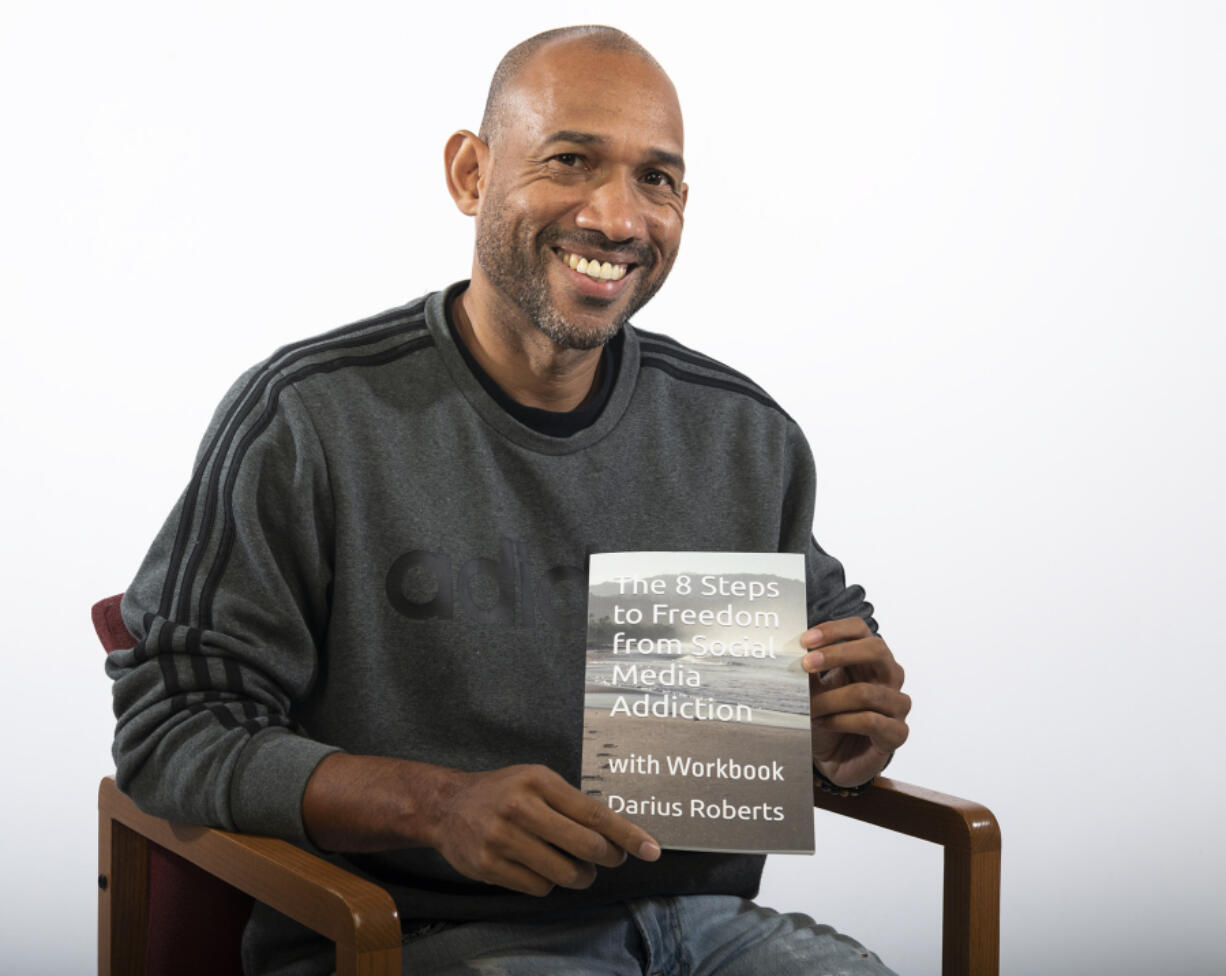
<point>195,920</point>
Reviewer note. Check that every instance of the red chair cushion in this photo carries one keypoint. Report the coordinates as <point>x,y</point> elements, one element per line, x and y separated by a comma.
<point>196,921</point>
<point>109,625</point>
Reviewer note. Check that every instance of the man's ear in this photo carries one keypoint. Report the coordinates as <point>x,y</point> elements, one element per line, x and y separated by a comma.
<point>465,157</point>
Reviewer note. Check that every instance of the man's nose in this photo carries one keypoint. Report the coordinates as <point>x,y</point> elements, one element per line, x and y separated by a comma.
<point>615,208</point>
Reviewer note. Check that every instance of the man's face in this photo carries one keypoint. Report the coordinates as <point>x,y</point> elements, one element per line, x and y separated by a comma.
<point>585,172</point>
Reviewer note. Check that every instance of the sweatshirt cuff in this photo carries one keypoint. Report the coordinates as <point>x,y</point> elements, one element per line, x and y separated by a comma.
<point>268,783</point>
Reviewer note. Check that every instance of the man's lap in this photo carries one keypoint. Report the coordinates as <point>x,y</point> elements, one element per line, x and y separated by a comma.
<point>697,935</point>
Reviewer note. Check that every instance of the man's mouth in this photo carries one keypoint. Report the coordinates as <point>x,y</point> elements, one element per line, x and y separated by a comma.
<point>594,268</point>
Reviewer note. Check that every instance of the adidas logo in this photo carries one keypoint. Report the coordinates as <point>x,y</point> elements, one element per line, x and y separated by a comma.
<point>425,585</point>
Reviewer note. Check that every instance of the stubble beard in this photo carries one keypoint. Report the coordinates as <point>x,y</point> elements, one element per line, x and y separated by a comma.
<point>516,265</point>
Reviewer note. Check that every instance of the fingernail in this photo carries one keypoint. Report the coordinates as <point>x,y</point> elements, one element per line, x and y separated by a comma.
<point>649,850</point>
<point>813,661</point>
<point>812,637</point>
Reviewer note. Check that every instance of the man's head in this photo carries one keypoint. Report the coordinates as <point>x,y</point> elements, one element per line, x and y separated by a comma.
<point>497,105</point>
<point>579,160</point>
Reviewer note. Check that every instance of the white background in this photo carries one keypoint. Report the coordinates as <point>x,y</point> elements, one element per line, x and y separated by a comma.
<point>977,250</point>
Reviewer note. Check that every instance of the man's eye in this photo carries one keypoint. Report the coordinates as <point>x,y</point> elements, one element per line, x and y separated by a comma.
<point>567,159</point>
<point>656,178</point>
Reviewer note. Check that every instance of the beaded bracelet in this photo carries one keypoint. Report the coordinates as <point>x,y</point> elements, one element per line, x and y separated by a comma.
<point>833,788</point>
<point>829,786</point>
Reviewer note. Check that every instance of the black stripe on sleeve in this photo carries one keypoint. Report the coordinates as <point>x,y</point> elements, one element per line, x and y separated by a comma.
<point>140,653</point>
<point>226,543</point>
<point>200,671</point>
<point>170,674</point>
<point>220,710</point>
<point>672,349</point>
<point>165,638</point>
<point>218,447</point>
<point>654,362</point>
<point>234,676</point>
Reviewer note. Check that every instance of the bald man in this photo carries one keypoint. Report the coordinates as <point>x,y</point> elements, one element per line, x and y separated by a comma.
<point>362,627</point>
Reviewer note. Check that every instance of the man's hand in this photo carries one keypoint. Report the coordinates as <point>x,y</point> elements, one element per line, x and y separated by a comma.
<point>856,704</point>
<point>522,827</point>
<point>526,828</point>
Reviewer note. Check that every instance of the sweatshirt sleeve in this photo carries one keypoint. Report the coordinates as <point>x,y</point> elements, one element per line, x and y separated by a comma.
<point>829,596</point>
<point>229,610</point>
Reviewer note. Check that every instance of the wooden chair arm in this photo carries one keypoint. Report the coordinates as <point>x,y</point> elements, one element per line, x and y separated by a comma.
<point>970,835</point>
<point>918,812</point>
<point>357,915</point>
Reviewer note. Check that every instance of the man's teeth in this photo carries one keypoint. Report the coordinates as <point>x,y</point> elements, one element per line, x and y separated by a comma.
<point>601,271</point>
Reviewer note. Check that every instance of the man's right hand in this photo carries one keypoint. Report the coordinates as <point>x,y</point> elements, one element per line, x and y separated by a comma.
<point>522,827</point>
<point>526,828</point>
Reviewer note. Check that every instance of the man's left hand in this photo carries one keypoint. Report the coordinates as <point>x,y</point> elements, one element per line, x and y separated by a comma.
<point>856,704</point>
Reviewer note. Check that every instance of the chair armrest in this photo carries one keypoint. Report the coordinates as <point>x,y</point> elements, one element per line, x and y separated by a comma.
<point>358,915</point>
<point>970,943</point>
<point>912,810</point>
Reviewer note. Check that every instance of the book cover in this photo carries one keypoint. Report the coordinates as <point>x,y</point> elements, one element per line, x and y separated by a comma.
<point>696,708</point>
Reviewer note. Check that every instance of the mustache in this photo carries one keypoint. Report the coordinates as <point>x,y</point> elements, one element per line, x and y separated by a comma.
<point>619,252</point>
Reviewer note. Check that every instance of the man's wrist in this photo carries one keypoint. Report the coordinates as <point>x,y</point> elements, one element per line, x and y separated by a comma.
<point>827,785</point>
<point>373,803</point>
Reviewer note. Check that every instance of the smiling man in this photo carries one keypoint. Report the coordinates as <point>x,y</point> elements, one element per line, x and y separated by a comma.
<point>363,629</point>
<point>576,184</point>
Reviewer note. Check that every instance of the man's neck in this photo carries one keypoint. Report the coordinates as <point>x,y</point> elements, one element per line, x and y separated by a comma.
<point>532,368</point>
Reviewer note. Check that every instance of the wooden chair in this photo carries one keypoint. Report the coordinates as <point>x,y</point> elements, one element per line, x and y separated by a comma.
<point>173,898</point>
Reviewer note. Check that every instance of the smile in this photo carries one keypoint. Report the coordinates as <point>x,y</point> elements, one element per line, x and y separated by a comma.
<point>594,268</point>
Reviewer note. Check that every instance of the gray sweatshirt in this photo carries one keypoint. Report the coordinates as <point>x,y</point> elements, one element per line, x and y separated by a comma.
<point>374,556</point>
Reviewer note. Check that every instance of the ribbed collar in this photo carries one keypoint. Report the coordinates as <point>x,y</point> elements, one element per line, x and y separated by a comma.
<point>508,417</point>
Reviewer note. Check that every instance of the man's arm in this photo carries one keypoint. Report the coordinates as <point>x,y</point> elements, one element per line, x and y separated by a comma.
<point>228,608</point>
<point>521,827</point>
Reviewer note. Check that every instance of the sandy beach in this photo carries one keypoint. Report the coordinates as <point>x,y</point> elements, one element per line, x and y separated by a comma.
<point>738,813</point>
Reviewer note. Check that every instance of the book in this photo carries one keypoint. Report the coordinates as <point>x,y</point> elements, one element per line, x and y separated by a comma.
<point>696,707</point>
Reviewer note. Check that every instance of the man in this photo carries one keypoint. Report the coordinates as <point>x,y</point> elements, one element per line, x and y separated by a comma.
<point>362,627</point>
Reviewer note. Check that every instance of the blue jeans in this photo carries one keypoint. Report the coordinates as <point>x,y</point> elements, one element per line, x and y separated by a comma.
<point>692,935</point>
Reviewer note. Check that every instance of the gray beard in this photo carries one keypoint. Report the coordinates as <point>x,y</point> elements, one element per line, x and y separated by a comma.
<point>569,336</point>
<point>533,298</point>
<point>523,282</point>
